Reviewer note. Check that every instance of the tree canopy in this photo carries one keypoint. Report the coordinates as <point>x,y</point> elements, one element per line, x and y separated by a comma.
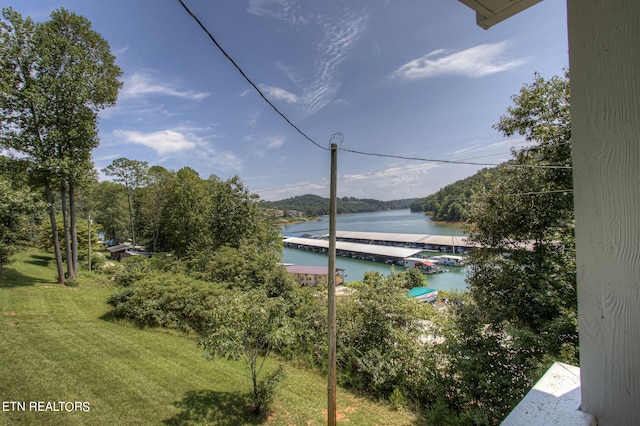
<point>449,202</point>
<point>56,76</point>
<point>522,278</point>
<point>314,205</point>
<point>17,204</point>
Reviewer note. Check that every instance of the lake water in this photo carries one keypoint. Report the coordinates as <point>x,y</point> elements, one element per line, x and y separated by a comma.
<point>396,221</point>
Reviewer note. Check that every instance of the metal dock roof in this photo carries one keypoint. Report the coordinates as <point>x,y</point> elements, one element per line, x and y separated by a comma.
<point>399,252</point>
<point>381,236</point>
<point>441,240</point>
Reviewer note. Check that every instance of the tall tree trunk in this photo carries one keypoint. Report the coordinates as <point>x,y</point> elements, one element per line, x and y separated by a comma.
<point>54,231</point>
<point>133,229</point>
<point>73,223</point>
<point>156,234</point>
<point>67,237</point>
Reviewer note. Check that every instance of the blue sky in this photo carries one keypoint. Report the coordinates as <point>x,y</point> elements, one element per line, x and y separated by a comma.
<point>411,78</point>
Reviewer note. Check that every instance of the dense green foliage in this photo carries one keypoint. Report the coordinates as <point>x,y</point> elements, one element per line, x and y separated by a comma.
<point>249,325</point>
<point>449,203</point>
<point>18,205</point>
<point>181,213</point>
<point>109,202</point>
<point>522,280</point>
<point>133,175</point>
<point>314,205</point>
<point>378,329</point>
<point>55,77</point>
<point>58,344</point>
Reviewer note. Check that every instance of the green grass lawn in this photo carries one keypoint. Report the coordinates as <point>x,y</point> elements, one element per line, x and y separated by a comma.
<point>57,345</point>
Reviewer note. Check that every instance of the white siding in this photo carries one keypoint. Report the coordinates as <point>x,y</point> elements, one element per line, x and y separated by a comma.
<point>604,45</point>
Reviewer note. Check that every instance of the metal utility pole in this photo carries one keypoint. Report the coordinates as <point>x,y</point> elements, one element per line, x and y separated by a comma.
<point>331,409</point>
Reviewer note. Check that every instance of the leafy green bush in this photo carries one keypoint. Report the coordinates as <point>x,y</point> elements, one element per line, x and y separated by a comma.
<point>397,399</point>
<point>249,325</point>
<point>307,309</point>
<point>166,300</point>
<point>379,328</point>
<point>265,391</point>
<point>133,269</point>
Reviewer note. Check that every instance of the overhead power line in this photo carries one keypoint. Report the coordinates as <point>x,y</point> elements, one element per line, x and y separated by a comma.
<point>341,147</point>
<point>262,95</point>
<point>431,160</point>
<point>363,175</point>
<point>515,194</point>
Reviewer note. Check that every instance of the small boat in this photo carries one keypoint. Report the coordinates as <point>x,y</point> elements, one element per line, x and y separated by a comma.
<point>450,260</point>
<point>428,267</point>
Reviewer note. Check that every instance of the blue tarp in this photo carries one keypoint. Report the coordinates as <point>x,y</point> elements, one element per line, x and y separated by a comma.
<point>424,294</point>
<point>419,291</point>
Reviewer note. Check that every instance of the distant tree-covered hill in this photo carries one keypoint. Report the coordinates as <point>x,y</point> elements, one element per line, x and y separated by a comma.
<point>448,203</point>
<point>314,205</point>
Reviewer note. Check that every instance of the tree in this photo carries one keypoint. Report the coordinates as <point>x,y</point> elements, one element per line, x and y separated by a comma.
<point>248,325</point>
<point>15,204</point>
<point>154,198</point>
<point>527,211</point>
<point>378,336</point>
<point>183,216</point>
<point>234,213</point>
<point>522,277</point>
<point>56,76</point>
<point>110,201</point>
<point>83,236</point>
<point>133,175</point>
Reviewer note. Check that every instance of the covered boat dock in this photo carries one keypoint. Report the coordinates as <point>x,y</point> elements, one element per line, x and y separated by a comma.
<point>372,252</point>
<point>437,243</point>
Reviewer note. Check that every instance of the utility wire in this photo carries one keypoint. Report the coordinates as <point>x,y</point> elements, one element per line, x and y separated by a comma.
<point>359,176</point>
<point>431,160</point>
<point>342,148</point>
<point>262,95</point>
<point>515,194</point>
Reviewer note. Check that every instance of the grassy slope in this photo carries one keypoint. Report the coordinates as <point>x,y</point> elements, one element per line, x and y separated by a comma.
<point>56,345</point>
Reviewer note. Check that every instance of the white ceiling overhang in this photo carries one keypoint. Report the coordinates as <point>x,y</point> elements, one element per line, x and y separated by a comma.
<point>490,12</point>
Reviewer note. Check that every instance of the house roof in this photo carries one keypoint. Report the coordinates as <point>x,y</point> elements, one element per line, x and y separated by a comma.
<point>491,12</point>
<point>308,270</point>
<point>119,247</point>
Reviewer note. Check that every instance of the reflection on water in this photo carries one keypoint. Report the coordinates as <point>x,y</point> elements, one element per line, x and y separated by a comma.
<point>397,221</point>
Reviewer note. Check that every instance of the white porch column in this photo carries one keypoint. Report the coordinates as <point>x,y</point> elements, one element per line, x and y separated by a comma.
<point>604,50</point>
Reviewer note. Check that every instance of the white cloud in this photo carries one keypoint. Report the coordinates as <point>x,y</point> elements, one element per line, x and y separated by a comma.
<point>475,62</point>
<point>504,146</point>
<point>289,72</point>
<point>283,10</point>
<point>278,93</point>
<point>253,119</point>
<point>320,188</point>
<point>227,160</point>
<point>274,142</point>
<point>139,84</point>
<point>262,144</point>
<point>119,51</point>
<point>395,182</point>
<point>163,142</point>
<point>339,36</point>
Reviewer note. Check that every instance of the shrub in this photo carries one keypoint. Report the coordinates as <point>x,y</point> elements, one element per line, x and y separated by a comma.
<point>166,300</point>
<point>133,269</point>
